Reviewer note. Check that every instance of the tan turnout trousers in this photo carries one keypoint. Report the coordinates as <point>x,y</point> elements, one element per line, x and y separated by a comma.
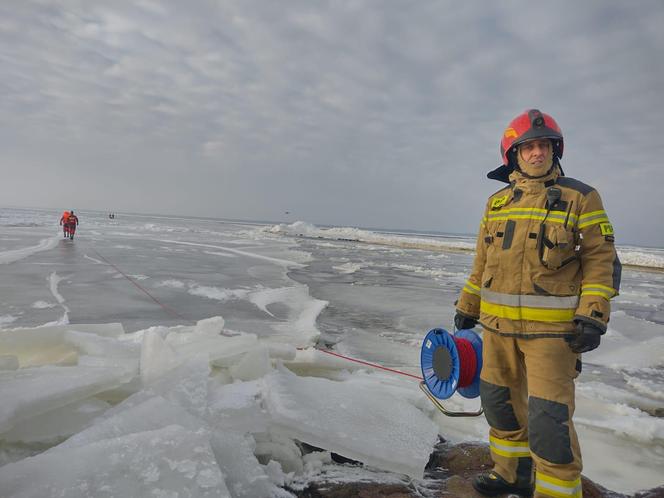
<point>527,385</point>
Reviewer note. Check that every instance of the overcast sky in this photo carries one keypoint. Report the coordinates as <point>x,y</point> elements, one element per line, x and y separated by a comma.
<point>355,113</point>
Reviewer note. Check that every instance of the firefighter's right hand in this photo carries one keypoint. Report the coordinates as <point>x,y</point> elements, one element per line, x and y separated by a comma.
<point>464,322</point>
<point>586,339</point>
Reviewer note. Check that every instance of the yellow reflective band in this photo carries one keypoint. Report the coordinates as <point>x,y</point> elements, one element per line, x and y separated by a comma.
<point>505,442</point>
<point>509,449</point>
<point>598,290</point>
<point>542,490</point>
<point>471,288</point>
<point>595,293</point>
<point>523,313</point>
<point>591,214</point>
<point>531,214</point>
<point>593,218</point>
<point>551,486</point>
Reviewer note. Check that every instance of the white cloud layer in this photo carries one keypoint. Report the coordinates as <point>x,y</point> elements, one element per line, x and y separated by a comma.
<point>342,112</point>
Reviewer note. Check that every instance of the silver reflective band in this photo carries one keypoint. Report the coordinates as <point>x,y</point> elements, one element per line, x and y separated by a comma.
<point>526,301</point>
<point>574,490</point>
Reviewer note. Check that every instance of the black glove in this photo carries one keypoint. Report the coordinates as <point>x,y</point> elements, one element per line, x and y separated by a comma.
<point>462,322</point>
<point>586,339</point>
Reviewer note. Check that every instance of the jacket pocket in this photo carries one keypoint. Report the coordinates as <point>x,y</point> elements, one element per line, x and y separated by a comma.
<point>555,287</point>
<point>495,233</point>
<point>556,246</point>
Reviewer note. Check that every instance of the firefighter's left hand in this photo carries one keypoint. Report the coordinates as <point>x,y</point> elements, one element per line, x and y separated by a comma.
<point>586,339</point>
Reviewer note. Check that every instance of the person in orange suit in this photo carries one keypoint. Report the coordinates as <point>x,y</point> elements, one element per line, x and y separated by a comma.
<point>72,223</point>
<point>64,223</point>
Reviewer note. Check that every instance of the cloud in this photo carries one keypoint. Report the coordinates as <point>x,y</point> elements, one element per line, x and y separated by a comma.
<point>340,112</point>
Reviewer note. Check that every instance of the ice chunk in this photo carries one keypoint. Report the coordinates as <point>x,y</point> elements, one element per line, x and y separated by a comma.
<point>314,362</point>
<point>153,413</point>
<point>95,345</point>
<point>281,351</point>
<point>300,329</point>
<point>237,407</point>
<point>371,426</point>
<point>46,345</point>
<point>213,325</point>
<point>60,423</point>
<point>29,392</point>
<point>245,476</point>
<point>185,386</point>
<point>157,357</point>
<point>167,462</point>
<point>223,351</point>
<point>281,448</point>
<point>254,365</point>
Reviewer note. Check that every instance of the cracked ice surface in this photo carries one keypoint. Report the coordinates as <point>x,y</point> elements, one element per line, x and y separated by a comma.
<point>240,393</point>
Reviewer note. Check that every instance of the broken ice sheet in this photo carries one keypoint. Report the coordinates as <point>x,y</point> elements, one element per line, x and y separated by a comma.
<point>29,392</point>
<point>371,426</point>
<point>171,461</point>
<point>34,346</point>
<point>58,423</point>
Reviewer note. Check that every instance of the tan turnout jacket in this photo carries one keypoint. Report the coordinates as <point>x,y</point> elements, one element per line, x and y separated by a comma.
<point>535,272</point>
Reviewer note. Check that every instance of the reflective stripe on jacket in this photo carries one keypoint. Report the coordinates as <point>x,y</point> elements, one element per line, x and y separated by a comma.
<point>537,269</point>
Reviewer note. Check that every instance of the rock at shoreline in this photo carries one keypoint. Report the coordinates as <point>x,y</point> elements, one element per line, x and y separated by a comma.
<point>448,475</point>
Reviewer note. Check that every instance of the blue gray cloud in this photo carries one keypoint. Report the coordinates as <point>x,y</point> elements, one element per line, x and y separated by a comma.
<point>342,112</point>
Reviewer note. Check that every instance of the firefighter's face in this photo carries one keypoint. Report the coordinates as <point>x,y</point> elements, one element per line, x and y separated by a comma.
<point>535,154</point>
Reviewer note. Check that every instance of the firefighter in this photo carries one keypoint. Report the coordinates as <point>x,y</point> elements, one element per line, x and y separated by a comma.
<point>72,223</point>
<point>544,272</point>
<point>64,224</point>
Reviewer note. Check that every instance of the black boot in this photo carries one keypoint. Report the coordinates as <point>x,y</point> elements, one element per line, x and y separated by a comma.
<point>491,484</point>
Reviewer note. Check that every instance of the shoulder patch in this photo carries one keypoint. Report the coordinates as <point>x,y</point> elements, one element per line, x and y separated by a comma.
<point>496,200</point>
<point>565,181</point>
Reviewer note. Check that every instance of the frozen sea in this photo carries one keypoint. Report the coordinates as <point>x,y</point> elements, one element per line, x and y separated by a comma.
<point>179,355</point>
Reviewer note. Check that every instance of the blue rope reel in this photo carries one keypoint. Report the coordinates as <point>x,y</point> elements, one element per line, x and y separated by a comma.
<point>451,363</point>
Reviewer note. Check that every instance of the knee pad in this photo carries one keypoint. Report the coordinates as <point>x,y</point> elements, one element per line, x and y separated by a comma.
<point>498,410</point>
<point>549,430</point>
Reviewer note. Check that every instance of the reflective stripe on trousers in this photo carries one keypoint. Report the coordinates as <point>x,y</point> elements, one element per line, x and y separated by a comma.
<point>509,449</point>
<point>550,486</point>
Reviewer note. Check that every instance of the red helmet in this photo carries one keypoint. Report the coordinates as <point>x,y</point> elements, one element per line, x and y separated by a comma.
<point>529,125</point>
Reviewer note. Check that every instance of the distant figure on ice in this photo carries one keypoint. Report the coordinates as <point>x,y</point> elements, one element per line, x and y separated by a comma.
<point>544,272</point>
<point>63,223</point>
<point>71,224</point>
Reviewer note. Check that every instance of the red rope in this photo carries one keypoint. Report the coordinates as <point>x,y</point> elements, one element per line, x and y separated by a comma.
<point>467,361</point>
<point>168,309</point>
<point>374,365</point>
<point>332,353</point>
